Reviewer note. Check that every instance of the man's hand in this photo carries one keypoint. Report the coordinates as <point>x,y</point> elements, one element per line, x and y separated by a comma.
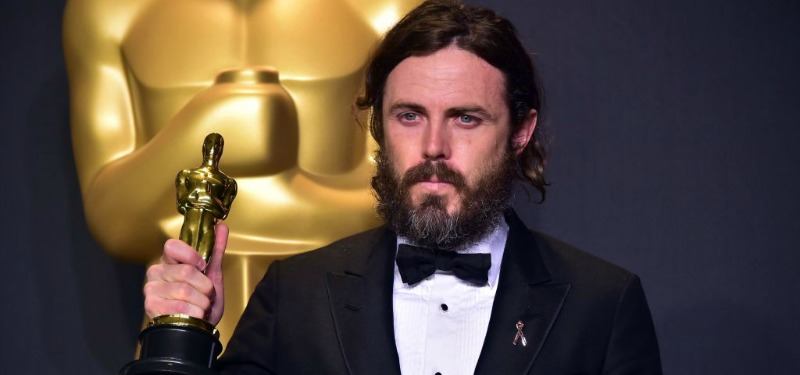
<point>177,284</point>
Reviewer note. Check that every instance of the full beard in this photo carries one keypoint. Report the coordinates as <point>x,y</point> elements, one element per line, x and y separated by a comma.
<point>429,224</point>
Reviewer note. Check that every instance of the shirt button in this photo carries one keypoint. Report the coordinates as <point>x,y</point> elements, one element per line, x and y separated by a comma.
<point>444,308</point>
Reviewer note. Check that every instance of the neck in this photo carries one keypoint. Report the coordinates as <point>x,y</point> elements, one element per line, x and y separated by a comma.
<point>210,162</point>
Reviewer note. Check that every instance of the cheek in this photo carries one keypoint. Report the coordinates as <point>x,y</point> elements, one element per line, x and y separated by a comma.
<point>399,154</point>
<point>474,155</point>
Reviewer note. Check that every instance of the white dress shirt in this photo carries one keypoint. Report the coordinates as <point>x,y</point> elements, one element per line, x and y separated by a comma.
<point>440,323</point>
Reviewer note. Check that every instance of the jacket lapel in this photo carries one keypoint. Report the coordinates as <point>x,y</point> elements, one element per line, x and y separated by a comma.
<point>361,305</point>
<point>524,294</point>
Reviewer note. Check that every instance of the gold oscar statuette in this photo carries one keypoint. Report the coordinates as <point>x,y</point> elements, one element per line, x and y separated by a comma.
<point>178,343</point>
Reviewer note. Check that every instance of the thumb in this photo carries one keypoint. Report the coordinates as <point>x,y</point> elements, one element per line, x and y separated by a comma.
<point>220,243</point>
<point>214,273</point>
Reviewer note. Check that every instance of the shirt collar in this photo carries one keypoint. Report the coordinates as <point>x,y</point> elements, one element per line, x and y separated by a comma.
<point>493,243</point>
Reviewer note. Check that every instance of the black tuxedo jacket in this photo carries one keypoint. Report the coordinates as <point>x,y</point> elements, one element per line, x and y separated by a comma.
<point>329,311</point>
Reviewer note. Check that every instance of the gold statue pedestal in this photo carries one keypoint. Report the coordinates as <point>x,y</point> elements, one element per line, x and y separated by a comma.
<point>179,344</point>
<point>176,345</point>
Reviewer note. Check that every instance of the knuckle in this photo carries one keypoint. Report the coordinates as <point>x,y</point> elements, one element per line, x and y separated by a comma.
<point>207,287</point>
<point>180,307</point>
<point>205,303</point>
<point>183,292</point>
<point>151,308</point>
<point>196,312</point>
<point>149,289</point>
<point>153,272</point>
<point>185,271</point>
<point>170,246</point>
<point>188,309</point>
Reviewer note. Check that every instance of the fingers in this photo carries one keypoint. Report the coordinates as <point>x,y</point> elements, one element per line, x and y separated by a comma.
<point>177,288</point>
<point>184,274</point>
<point>178,292</point>
<point>155,306</point>
<point>178,252</point>
<point>177,285</point>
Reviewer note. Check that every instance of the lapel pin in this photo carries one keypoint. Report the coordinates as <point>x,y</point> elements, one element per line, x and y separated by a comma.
<point>519,338</point>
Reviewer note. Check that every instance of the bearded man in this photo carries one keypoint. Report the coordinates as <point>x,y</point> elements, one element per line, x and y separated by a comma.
<point>454,283</point>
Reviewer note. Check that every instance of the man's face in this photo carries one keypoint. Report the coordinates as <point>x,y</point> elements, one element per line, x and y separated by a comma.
<point>446,147</point>
<point>447,107</point>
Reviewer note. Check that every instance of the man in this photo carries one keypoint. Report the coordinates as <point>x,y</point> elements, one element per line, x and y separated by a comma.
<point>454,283</point>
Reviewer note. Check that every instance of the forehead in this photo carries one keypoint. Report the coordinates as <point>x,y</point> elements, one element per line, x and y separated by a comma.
<point>448,77</point>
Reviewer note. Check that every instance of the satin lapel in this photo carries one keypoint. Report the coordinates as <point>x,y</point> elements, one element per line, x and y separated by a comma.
<point>361,304</point>
<point>524,294</point>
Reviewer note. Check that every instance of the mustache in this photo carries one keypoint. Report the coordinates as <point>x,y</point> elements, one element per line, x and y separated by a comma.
<point>427,169</point>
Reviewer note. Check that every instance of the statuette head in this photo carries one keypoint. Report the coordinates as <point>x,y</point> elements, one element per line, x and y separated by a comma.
<point>212,148</point>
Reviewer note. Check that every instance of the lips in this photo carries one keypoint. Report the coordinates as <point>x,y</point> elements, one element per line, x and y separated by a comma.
<point>434,184</point>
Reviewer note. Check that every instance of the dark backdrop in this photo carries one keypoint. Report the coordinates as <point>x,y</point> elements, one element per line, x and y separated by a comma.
<point>674,132</point>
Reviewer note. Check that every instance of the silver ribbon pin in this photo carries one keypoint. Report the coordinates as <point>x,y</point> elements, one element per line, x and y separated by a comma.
<point>519,338</point>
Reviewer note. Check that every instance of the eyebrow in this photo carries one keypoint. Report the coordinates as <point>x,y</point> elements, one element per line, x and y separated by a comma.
<point>450,112</point>
<point>455,111</point>
<point>407,106</point>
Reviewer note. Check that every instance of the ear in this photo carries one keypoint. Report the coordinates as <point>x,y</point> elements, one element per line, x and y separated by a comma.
<point>523,134</point>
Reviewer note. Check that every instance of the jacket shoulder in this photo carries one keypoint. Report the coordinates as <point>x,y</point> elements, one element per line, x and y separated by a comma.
<point>567,263</point>
<point>334,255</point>
<point>605,310</point>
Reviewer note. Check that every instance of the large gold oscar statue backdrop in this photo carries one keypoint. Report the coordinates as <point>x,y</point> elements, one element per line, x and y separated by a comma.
<point>150,78</point>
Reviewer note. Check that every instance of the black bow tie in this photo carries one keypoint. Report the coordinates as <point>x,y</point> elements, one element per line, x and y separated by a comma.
<point>417,263</point>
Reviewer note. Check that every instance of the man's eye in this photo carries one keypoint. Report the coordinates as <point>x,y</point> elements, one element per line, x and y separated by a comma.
<point>468,120</point>
<point>409,117</point>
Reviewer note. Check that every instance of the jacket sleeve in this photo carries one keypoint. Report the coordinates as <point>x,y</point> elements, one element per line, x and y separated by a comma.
<point>633,346</point>
<point>251,350</point>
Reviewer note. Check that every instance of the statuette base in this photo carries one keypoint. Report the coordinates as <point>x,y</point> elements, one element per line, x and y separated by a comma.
<point>176,345</point>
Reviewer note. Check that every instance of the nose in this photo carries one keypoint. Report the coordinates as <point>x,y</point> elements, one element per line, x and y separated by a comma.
<point>436,142</point>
